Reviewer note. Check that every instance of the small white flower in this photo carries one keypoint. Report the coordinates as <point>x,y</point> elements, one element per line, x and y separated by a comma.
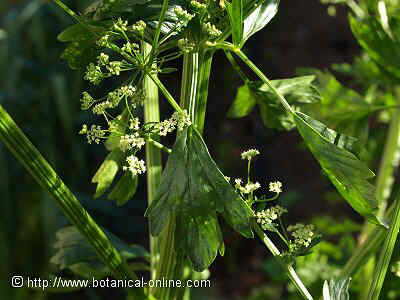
<point>127,91</point>
<point>134,124</point>
<point>139,27</point>
<point>104,41</point>
<point>211,30</point>
<point>269,215</point>
<point>121,25</point>
<point>249,154</point>
<point>94,74</point>
<point>86,101</point>
<point>94,134</point>
<point>130,141</point>
<point>275,187</point>
<point>103,59</point>
<point>182,14</point>
<point>101,108</point>
<point>250,188</point>
<point>238,183</point>
<point>198,5</point>
<point>135,165</point>
<point>303,234</point>
<point>114,67</point>
<point>181,119</point>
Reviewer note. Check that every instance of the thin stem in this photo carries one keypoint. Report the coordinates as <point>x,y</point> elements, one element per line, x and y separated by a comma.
<point>165,92</point>
<point>289,268</point>
<point>386,254</point>
<point>235,66</point>
<point>258,72</point>
<point>159,146</point>
<point>158,31</point>
<point>67,10</point>
<point>365,249</point>
<point>153,153</point>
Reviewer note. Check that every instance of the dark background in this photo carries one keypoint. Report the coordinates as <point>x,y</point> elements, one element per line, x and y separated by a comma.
<point>42,94</point>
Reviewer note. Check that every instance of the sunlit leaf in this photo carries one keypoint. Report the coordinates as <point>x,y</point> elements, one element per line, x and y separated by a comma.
<point>195,191</point>
<point>243,104</point>
<point>105,175</point>
<point>125,189</point>
<point>235,13</point>
<point>298,91</point>
<point>377,43</point>
<point>259,18</point>
<point>344,169</point>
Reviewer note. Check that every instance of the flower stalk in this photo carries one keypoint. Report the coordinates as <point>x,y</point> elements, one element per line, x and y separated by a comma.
<point>153,152</point>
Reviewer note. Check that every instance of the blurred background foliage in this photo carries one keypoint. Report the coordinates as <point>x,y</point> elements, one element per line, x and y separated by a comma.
<point>42,94</point>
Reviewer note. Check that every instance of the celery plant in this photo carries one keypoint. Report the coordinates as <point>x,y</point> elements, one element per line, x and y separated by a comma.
<point>132,42</point>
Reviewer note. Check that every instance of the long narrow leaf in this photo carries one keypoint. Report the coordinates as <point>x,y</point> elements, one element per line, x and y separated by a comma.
<point>386,254</point>
<point>44,174</point>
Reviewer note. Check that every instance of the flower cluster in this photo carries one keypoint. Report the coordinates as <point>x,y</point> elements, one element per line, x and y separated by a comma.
<point>183,16</point>
<point>211,30</point>
<point>249,154</point>
<point>179,121</point>
<point>135,165</point>
<point>275,187</point>
<point>303,235</point>
<point>94,134</point>
<point>131,141</point>
<point>249,188</point>
<point>267,217</point>
<point>139,27</point>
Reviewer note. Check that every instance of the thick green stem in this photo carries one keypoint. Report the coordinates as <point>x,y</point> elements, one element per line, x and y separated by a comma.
<point>171,266</point>
<point>386,254</point>
<point>289,268</point>
<point>367,248</point>
<point>389,162</point>
<point>205,63</point>
<point>44,174</point>
<point>153,152</point>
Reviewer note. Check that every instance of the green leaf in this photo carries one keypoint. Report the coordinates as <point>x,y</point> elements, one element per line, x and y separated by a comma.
<point>106,173</point>
<point>336,289</point>
<point>76,254</point>
<point>259,18</point>
<point>195,191</point>
<point>377,43</point>
<point>243,103</point>
<point>235,13</point>
<point>125,189</point>
<point>80,54</point>
<point>83,31</point>
<point>344,169</point>
<point>344,109</point>
<point>298,91</point>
